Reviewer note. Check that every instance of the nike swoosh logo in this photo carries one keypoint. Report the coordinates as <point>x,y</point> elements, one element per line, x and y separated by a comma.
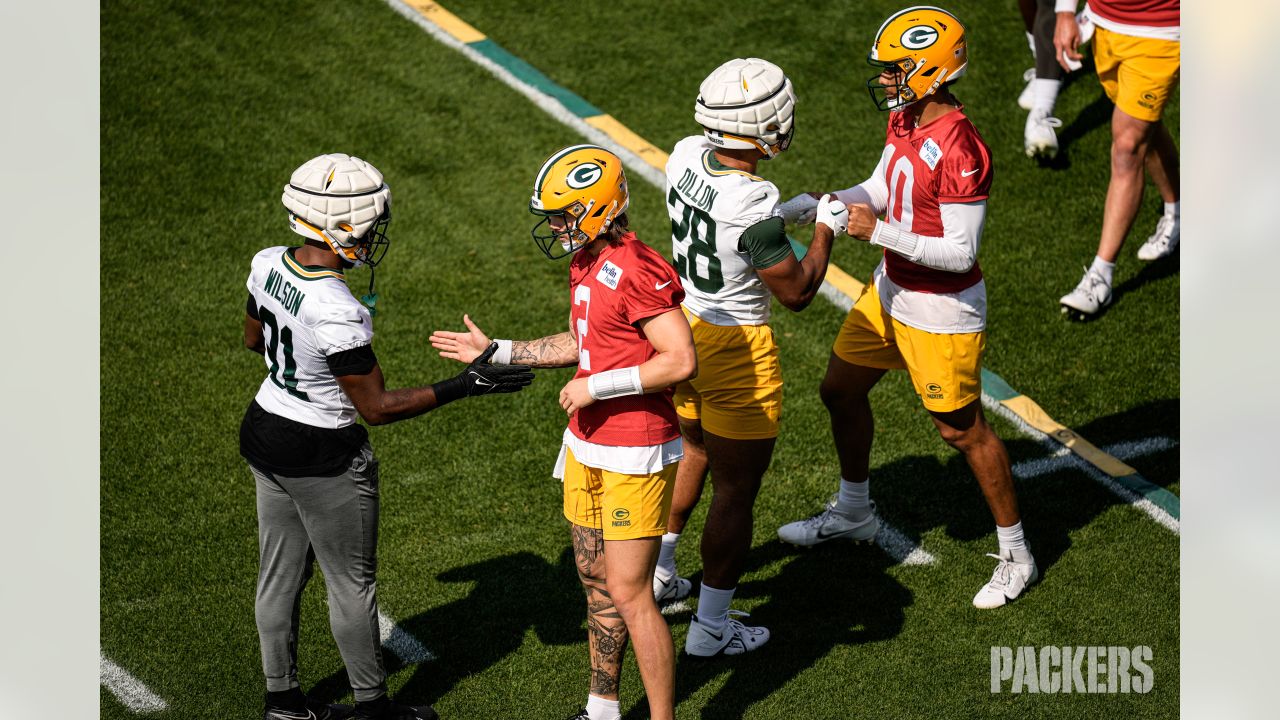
<point>357,321</point>
<point>278,715</point>
<point>659,287</point>
<point>717,637</point>
<point>967,173</point>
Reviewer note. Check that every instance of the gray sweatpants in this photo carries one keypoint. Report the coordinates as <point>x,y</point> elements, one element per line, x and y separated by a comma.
<point>333,520</point>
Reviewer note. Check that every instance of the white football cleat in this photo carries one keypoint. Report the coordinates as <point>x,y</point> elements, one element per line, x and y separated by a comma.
<point>1164,241</point>
<point>1088,299</point>
<point>1024,100</point>
<point>1007,582</point>
<point>670,590</point>
<point>732,639</point>
<point>1039,137</point>
<point>829,525</point>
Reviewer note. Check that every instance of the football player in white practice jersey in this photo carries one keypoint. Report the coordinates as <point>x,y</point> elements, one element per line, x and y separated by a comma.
<point>733,256</point>
<point>925,310</point>
<point>317,477</point>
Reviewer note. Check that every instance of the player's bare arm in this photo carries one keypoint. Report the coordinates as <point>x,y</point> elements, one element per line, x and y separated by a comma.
<point>796,282</point>
<point>552,351</point>
<point>379,406</point>
<point>675,362</point>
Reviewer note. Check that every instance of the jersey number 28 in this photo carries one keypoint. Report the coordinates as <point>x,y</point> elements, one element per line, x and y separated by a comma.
<point>697,227</point>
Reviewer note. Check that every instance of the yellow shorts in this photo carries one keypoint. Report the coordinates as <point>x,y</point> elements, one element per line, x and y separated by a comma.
<point>624,506</point>
<point>945,368</point>
<point>1137,73</point>
<point>738,391</point>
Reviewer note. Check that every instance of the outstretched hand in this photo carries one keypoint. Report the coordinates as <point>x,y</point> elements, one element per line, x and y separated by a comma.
<point>463,347</point>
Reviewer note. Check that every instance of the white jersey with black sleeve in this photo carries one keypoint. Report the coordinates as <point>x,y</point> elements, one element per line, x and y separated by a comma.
<point>725,225</point>
<point>307,314</point>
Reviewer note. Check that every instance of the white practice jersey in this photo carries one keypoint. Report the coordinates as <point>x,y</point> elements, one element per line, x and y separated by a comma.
<point>710,207</point>
<point>307,314</point>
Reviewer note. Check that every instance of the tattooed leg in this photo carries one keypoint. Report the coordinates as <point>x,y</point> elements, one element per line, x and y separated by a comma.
<point>606,632</point>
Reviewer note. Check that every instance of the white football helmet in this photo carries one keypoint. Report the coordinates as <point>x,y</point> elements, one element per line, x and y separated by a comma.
<point>746,104</point>
<point>343,201</point>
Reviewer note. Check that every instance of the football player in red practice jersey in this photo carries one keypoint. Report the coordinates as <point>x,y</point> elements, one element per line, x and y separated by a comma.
<point>925,309</point>
<point>618,459</point>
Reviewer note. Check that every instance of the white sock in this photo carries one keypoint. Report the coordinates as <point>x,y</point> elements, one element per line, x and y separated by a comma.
<point>713,606</point>
<point>1173,208</point>
<point>1031,43</point>
<point>854,500</point>
<point>667,557</point>
<point>600,709</point>
<point>1044,94</point>
<point>1103,268</point>
<point>1012,540</point>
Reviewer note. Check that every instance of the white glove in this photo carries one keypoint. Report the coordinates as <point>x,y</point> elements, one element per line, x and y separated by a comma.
<point>799,209</point>
<point>833,213</point>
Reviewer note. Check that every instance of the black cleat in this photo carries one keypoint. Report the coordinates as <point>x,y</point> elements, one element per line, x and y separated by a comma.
<point>580,715</point>
<point>296,706</point>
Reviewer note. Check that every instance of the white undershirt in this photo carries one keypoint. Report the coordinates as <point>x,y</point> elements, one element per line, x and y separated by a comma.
<point>642,460</point>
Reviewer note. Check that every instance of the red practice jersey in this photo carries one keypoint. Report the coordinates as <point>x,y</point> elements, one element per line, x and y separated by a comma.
<point>945,161</point>
<point>612,292</point>
<point>1149,13</point>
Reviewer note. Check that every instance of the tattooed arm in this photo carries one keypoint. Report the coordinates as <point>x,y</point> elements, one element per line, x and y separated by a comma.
<point>549,352</point>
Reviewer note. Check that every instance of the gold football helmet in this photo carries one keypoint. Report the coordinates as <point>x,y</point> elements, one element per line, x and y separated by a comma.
<point>586,187</point>
<point>924,46</point>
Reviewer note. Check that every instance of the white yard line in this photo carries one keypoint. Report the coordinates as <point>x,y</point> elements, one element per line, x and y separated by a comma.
<point>129,690</point>
<point>405,646</point>
<point>902,548</point>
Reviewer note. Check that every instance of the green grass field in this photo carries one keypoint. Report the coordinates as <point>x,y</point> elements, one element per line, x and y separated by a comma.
<point>208,107</point>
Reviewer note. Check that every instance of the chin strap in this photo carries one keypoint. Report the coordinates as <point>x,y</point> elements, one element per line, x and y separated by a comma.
<point>371,298</point>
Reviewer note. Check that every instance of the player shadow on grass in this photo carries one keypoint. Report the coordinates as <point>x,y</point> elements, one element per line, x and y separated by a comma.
<point>918,494</point>
<point>814,603</point>
<point>512,594</point>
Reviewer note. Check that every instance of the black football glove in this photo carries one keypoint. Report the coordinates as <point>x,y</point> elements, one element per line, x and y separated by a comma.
<point>483,378</point>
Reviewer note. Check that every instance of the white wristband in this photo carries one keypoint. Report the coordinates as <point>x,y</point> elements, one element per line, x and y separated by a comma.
<point>615,383</point>
<point>502,356</point>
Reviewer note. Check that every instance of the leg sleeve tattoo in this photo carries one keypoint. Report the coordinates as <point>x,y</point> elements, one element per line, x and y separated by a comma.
<point>606,633</point>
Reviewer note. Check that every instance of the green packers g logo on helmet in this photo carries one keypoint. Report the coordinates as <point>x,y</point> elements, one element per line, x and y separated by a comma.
<point>919,37</point>
<point>585,175</point>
